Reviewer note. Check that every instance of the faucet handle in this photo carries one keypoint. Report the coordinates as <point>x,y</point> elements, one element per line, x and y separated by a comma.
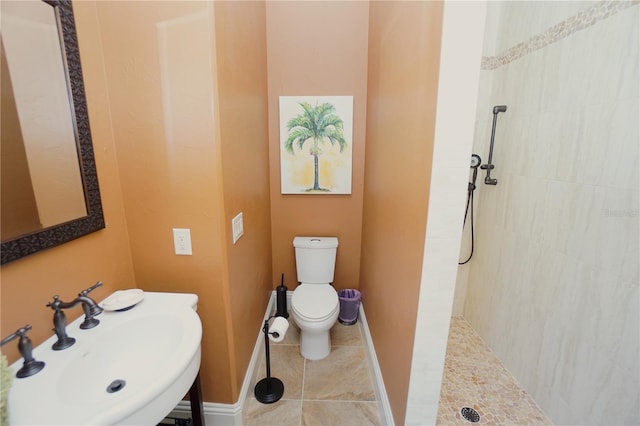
<point>18,333</point>
<point>90,289</point>
<point>30,366</point>
<point>55,304</point>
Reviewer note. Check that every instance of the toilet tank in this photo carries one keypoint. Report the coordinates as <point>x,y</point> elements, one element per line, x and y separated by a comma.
<point>315,259</point>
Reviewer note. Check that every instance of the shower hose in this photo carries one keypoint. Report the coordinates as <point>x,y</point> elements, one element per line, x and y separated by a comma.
<point>475,162</point>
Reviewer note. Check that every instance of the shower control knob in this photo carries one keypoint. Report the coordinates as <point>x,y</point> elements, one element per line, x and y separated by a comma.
<point>489,181</point>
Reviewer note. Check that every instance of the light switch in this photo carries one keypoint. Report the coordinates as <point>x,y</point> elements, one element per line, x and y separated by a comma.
<point>237,227</point>
<point>182,241</point>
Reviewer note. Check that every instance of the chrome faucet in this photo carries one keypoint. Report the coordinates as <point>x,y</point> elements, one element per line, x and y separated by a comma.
<point>90,308</point>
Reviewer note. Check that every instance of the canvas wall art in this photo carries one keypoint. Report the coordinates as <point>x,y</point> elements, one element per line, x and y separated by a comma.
<point>316,135</point>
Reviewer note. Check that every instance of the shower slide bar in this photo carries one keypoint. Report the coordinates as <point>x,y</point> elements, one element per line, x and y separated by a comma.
<point>488,167</point>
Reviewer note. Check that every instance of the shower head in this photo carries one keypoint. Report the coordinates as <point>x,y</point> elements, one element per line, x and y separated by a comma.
<point>499,108</point>
<point>475,161</point>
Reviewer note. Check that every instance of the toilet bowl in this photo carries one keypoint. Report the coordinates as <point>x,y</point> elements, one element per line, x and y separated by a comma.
<point>315,310</point>
<point>314,304</point>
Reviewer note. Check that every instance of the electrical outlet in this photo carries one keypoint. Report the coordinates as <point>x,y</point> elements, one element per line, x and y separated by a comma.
<point>237,227</point>
<point>182,241</point>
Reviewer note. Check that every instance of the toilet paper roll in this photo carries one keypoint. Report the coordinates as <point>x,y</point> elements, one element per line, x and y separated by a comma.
<point>278,329</point>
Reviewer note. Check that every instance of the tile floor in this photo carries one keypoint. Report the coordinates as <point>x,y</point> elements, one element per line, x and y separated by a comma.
<point>474,377</point>
<point>320,393</point>
<point>337,390</point>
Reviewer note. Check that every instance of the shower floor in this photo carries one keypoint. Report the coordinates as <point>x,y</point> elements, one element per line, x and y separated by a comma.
<point>474,377</point>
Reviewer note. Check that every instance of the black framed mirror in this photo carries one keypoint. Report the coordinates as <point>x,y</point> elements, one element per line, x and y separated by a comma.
<point>90,218</point>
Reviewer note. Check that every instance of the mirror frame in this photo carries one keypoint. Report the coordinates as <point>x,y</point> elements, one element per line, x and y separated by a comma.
<point>53,236</point>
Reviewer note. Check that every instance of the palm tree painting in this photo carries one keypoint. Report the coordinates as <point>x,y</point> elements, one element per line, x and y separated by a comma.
<point>315,149</point>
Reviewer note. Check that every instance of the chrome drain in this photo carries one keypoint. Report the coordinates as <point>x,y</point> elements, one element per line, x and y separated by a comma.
<point>470,414</point>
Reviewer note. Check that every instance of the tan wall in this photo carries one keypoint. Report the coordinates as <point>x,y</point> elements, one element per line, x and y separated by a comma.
<point>170,160</point>
<point>404,43</point>
<point>162,105</point>
<point>186,163</point>
<point>29,283</point>
<point>179,168</point>
<point>317,48</point>
<point>242,98</point>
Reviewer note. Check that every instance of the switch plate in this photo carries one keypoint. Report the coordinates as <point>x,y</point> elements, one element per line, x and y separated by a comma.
<point>237,227</point>
<point>182,241</point>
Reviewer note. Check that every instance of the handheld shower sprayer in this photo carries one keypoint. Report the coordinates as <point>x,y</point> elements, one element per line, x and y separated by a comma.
<point>489,166</point>
<point>475,161</point>
<point>471,187</point>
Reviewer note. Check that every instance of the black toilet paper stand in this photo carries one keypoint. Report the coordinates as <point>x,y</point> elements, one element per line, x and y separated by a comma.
<point>270,389</point>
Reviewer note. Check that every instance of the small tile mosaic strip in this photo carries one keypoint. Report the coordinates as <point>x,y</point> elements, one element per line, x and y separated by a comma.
<point>474,378</point>
<point>582,20</point>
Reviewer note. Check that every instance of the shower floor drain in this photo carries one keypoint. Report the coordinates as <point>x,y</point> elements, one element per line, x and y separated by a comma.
<point>470,414</point>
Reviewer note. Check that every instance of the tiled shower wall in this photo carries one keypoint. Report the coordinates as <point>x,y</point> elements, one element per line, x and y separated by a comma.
<point>553,285</point>
<point>460,55</point>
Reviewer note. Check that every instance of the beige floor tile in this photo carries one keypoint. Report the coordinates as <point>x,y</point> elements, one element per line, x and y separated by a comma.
<point>287,365</point>
<point>346,335</point>
<point>285,412</point>
<point>341,335</point>
<point>343,413</point>
<point>343,375</point>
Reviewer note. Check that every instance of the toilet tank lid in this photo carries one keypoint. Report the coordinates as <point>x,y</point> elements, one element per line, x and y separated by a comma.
<point>315,242</point>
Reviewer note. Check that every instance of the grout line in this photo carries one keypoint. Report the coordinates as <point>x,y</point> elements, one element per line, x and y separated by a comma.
<point>368,401</point>
<point>304,371</point>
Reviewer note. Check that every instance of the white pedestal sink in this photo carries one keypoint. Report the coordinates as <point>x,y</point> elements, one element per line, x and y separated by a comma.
<point>132,369</point>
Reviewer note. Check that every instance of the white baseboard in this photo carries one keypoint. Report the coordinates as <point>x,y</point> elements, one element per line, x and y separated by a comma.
<point>231,414</point>
<point>384,408</point>
<point>214,413</point>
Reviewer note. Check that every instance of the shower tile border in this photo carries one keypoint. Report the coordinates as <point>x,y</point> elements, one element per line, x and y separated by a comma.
<point>584,19</point>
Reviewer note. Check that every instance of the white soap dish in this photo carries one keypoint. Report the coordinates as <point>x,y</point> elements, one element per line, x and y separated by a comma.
<point>123,300</point>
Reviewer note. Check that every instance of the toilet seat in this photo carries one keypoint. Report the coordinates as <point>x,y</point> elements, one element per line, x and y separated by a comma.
<point>315,302</point>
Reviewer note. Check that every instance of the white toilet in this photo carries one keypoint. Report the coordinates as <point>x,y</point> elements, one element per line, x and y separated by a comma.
<point>315,305</point>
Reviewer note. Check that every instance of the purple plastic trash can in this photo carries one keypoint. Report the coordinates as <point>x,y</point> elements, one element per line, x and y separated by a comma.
<point>349,306</point>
